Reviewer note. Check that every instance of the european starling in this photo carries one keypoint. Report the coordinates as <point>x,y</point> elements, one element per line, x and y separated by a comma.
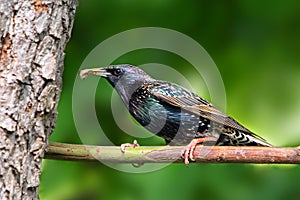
<point>172,112</point>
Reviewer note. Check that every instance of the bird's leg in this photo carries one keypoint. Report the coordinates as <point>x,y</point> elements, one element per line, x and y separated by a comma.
<point>134,144</point>
<point>190,148</point>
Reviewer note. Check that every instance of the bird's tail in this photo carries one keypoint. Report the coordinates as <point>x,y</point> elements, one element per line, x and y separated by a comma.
<point>259,141</point>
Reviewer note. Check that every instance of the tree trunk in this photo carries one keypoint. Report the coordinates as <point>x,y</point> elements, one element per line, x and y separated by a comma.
<point>33,36</point>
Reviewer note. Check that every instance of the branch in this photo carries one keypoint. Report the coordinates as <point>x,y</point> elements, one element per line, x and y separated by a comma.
<point>166,154</point>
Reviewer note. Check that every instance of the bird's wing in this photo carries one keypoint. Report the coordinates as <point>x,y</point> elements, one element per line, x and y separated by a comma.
<point>198,106</point>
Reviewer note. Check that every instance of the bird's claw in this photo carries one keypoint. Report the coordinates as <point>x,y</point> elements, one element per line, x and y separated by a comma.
<point>134,144</point>
<point>188,152</point>
<point>137,165</point>
<point>125,145</point>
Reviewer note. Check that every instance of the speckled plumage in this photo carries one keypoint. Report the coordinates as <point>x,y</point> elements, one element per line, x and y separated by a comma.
<point>170,111</point>
<point>173,112</point>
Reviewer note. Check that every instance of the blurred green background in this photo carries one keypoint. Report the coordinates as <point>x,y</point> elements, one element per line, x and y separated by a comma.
<point>256,46</point>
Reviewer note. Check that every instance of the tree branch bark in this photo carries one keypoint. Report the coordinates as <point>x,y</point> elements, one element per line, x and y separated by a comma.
<point>166,154</point>
<point>33,36</point>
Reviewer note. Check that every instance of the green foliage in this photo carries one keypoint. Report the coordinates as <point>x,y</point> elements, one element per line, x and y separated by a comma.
<point>256,47</point>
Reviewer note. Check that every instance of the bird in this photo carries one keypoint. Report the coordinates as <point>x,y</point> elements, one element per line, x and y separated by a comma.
<point>173,112</point>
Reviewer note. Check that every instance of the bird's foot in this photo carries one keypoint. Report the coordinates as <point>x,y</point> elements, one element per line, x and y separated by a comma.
<point>134,144</point>
<point>125,145</point>
<point>188,152</point>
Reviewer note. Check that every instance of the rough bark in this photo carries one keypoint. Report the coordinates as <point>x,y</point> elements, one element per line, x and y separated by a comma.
<point>33,37</point>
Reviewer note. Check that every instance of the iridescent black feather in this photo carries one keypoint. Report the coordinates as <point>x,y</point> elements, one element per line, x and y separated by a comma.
<point>171,111</point>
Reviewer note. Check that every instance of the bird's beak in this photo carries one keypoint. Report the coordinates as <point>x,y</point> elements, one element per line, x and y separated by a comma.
<point>93,71</point>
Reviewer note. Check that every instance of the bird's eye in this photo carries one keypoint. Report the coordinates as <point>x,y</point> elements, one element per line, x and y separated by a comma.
<point>117,72</point>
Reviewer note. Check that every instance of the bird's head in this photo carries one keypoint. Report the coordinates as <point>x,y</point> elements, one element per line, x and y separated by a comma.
<point>124,78</point>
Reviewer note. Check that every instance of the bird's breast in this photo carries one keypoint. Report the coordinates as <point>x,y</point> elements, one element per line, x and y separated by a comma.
<point>170,122</point>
